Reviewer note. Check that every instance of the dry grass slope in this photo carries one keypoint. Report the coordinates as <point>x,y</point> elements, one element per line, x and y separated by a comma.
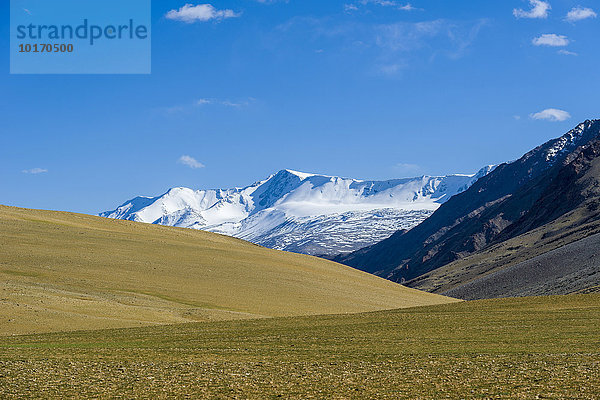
<point>61,271</point>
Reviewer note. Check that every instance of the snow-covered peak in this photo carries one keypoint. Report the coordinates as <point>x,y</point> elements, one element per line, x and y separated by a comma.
<point>273,203</point>
<point>297,194</point>
<point>564,142</point>
<point>301,175</point>
<point>556,150</point>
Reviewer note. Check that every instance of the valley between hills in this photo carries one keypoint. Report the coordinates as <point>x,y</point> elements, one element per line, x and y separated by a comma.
<point>92,306</point>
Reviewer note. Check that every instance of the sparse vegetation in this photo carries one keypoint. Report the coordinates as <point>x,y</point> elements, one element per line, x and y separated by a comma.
<point>494,349</point>
<point>62,271</point>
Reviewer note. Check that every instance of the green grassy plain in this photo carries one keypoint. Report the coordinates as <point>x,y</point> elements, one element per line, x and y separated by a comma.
<point>527,348</point>
<point>62,271</point>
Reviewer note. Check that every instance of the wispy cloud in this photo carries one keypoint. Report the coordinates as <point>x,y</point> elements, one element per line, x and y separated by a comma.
<point>552,40</point>
<point>551,114</point>
<point>580,13</point>
<point>385,49</point>
<point>391,69</point>
<point>35,171</point>
<point>271,1</point>
<point>567,52</point>
<point>226,103</point>
<point>190,162</point>
<point>436,37</point>
<point>539,9</point>
<point>383,3</point>
<point>200,13</point>
<point>408,7</point>
<point>204,102</point>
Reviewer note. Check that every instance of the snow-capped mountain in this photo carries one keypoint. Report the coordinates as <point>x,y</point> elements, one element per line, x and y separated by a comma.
<point>304,213</point>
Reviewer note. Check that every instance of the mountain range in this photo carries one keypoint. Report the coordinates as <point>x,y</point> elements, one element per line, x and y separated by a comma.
<point>516,231</point>
<point>526,227</point>
<point>304,213</point>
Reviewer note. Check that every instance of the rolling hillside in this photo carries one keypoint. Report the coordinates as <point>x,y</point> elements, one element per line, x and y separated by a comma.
<point>62,271</point>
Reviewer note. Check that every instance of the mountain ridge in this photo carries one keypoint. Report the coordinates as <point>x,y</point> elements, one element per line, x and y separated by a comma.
<point>476,218</point>
<point>550,249</point>
<point>302,212</point>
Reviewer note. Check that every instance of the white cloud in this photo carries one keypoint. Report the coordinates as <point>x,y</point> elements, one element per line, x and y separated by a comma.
<point>383,3</point>
<point>226,103</point>
<point>407,7</point>
<point>551,114</point>
<point>35,171</point>
<point>567,53</point>
<point>190,162</point>
<point>200,13</point>
<point>539,9</point>
<point>208,102</point>
<point>552,40</point>
<point>580,13</point>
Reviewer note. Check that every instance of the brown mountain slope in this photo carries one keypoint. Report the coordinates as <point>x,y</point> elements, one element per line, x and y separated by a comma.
<point>493,208</point>
<point>532,257</point>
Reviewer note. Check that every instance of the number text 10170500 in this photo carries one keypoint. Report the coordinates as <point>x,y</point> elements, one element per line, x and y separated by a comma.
<point>45,48</point>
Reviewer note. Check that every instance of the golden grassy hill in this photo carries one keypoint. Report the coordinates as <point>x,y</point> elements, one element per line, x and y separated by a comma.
<point>62,271</point>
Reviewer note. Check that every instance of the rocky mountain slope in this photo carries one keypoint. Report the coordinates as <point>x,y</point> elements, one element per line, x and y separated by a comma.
<point>553,248</point>
<point>304,213</point>
<point>516,198</point>
<point>573,268</point>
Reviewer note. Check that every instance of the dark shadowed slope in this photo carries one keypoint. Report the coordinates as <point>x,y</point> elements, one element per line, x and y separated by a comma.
<point>575,188</point>
<point>568,269</point>
<point>499,205</point>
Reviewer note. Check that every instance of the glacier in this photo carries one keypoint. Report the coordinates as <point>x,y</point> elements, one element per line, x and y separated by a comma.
<point>305,213</point>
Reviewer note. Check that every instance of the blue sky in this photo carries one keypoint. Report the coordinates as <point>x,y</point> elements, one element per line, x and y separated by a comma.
<point>370,89</point>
